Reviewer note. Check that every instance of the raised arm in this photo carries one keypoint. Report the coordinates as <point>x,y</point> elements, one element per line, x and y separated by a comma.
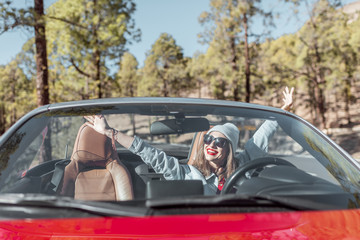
<point>157,159</point>
<point>99,124</point>
<point>257,146</point>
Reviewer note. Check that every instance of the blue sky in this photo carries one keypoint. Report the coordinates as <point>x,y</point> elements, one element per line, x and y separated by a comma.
<point>176,17</point>
<point>179,18</point>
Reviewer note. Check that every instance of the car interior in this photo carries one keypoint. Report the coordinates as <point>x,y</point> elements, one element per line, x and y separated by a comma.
<point>96,171</point>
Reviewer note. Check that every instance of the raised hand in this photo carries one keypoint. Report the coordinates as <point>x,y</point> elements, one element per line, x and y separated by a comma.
<point>288,99</point>
<point>98,123</point>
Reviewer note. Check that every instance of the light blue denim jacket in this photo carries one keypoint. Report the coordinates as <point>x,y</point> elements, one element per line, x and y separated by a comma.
<point>170,167</point>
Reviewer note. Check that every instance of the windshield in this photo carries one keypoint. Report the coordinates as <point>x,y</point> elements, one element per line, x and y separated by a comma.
<point>56,153</point>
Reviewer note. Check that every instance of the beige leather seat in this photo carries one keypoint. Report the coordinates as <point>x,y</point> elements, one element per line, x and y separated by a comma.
<point>95,171</point>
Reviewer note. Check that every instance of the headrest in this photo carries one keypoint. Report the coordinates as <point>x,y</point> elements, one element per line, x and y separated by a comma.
<point>91,148</point>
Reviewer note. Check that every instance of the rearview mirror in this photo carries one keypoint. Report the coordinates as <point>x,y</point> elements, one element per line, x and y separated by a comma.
<point>182,125</point>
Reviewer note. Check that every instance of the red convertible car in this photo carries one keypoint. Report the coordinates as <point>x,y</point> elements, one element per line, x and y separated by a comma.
<point>66,171</point>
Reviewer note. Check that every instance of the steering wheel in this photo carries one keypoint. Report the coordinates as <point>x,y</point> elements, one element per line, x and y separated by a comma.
<point>253,164</point>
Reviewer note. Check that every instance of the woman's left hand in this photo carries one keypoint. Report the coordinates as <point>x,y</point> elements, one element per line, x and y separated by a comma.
<point>288,99</point>
<point>98,123</point>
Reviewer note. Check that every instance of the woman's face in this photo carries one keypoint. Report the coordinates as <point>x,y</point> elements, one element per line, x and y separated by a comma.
<point>213,153</point>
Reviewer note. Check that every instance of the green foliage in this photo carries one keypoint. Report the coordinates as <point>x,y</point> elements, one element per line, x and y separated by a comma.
<point>165,70</point>
<point>277,61</point>
<point>13,17</point>
<point>319,59</point>
<point>227,28</point>
<point>16,94</point>
<point>223,33</point>
<point>127,76</point>
<point>85,38</point>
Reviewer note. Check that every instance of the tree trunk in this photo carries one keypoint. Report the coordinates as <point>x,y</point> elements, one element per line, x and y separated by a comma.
<point>132,119</point>
<point>320,106</point>
<point>234,67</point>
<point>163,75</point>
<point>96,54</point>
<point>319,91</point>
<point>165,88</point>
<point>97,76</point>
<point>42,82</point>
<point>2,118</point>
<point>347,100</point>
<point>13,117</point>
<point>347,89</point>
<point>42,85</point>
<point>200,83</point>
<point>247,62</point>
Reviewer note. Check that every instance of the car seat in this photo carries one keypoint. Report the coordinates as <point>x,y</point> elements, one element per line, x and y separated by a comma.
<point>95,171</point>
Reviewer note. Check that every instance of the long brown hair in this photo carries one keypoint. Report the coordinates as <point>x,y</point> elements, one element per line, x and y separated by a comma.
<point>224,172</point>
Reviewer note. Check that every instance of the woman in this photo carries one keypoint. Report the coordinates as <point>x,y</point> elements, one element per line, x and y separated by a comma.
<point>214,164</point>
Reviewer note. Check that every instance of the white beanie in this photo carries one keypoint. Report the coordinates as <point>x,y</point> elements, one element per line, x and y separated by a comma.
<point>230,131</point>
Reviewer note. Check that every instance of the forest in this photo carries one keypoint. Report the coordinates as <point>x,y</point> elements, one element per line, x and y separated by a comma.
<point>78,51</point>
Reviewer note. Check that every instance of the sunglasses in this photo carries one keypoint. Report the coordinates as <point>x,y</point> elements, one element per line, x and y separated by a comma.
<point>219,141</point>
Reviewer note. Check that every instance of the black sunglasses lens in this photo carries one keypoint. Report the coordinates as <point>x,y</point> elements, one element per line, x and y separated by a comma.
<point>208,139</point>
<point>219,142</point>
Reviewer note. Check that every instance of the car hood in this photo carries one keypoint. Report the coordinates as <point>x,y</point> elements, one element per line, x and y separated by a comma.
<point>294,225</point>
